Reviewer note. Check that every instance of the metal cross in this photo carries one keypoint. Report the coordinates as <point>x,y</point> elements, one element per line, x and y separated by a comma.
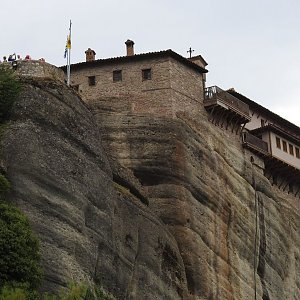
<point>190,51</point>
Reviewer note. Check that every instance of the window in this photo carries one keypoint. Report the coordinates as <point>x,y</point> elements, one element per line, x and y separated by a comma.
<point>262,122</point>
<point>278,144</point>
<point>117,75</point>
<point>284,146</point>
<point>297,153</point>
<point>291,148</point>
<point>146,73</point>
<point>92,80</point>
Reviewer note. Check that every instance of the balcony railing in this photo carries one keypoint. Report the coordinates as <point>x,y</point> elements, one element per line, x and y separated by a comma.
<point>255,143</point>
<point>215,93</point>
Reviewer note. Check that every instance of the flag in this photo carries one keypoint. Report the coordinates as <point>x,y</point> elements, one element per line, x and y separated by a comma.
<point>68,55</point>
<point>68,45</point>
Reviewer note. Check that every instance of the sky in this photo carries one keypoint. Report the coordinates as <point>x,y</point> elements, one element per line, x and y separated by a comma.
<point>252,46</point>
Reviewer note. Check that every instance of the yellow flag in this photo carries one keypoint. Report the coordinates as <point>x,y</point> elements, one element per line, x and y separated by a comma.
<point>68,45</point>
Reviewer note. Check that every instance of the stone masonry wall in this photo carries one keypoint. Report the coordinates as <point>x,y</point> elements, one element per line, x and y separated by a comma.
<point>36,68</point>
<point>131,83</point>
<point>172,88</point>
<point>187,86</point>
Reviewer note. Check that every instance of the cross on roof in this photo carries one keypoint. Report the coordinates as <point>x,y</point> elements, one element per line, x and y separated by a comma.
<point>190,51</point>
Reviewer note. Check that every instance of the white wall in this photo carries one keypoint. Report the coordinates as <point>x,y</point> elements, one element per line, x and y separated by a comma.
<point>255,121</point>
<point>282,155</point>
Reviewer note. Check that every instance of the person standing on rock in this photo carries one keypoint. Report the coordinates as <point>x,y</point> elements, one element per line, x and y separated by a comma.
<point>12,57</point>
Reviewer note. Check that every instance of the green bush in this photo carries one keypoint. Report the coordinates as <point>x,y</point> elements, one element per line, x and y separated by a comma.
<point>9,293</point>
<point>75,292</point>
<point>9,90</point>
<point>18,293</point>
<point>19,250</point>
<point>4,186</point>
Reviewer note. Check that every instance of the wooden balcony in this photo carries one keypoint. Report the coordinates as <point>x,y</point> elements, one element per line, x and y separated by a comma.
<point>223,105</point>
<point>278,172</point>
<point>255,144</point>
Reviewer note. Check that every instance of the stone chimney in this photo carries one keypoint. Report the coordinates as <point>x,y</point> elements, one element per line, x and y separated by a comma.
<point>129,47</point>
<point>90,55</point>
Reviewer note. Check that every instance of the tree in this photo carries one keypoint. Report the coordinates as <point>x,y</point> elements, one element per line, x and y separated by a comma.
<point>9,90</point>
<point>19,250</point>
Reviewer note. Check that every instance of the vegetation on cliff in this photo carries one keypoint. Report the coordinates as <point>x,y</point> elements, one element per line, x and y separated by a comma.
<point>19,247</point>
<point>20,271</point>
<point>19,250</point>
<point>75,292</point>
<point>9,90</point>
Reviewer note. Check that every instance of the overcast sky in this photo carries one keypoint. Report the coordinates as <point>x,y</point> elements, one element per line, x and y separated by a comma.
<point>253,46</point>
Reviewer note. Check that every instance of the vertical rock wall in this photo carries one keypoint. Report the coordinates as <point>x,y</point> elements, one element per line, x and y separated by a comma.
<point>238,236</point>
<point>93,223</point>
<point>214,228</point>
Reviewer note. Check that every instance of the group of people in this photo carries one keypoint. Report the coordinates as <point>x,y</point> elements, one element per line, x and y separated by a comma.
<point>13,57</point>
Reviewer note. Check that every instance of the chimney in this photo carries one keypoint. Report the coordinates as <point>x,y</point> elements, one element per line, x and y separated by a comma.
<point>90,55</point>
<point>129,47</point>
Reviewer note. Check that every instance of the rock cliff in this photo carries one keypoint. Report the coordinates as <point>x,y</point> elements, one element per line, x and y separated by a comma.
<point>148,208</point>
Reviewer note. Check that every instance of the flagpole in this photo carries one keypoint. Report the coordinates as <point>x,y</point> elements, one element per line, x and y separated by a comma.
<point>69,59</point>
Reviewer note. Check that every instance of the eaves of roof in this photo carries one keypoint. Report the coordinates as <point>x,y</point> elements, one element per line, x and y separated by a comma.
<point>138,57</point>
<point>280,131</point>
<point>290,127</point>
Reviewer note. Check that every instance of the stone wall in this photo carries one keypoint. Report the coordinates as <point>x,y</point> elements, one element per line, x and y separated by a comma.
<point>40,69</point>
<point>173,87</point>
<point>188,88</point>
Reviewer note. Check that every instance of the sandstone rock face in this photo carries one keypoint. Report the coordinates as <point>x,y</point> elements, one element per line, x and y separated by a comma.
<point>148,207</point>
<point>90,214</point>
<point>238,236</point>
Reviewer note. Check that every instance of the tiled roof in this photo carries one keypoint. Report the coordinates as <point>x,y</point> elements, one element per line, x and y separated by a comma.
<point>139,57</point>
<point>290,127</point>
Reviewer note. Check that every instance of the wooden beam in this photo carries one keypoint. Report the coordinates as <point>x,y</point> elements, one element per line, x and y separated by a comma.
<point>297,192</point>
<point>230,120</point>
<point>221,116</point>
<point>211,113</point>
<point>215,117</point>
<point>287,184</point>
<point>279,186</point>
<point>236,122</point>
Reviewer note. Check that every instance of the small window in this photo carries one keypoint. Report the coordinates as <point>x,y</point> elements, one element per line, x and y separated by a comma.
<point>146,73</point>
<point>92,80</point>
<point>278,144</point>
<point>291,148</point>
<point>284,146</point>
<point>297,153</point>
<point>262,122</point>
<point>117,75</point>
